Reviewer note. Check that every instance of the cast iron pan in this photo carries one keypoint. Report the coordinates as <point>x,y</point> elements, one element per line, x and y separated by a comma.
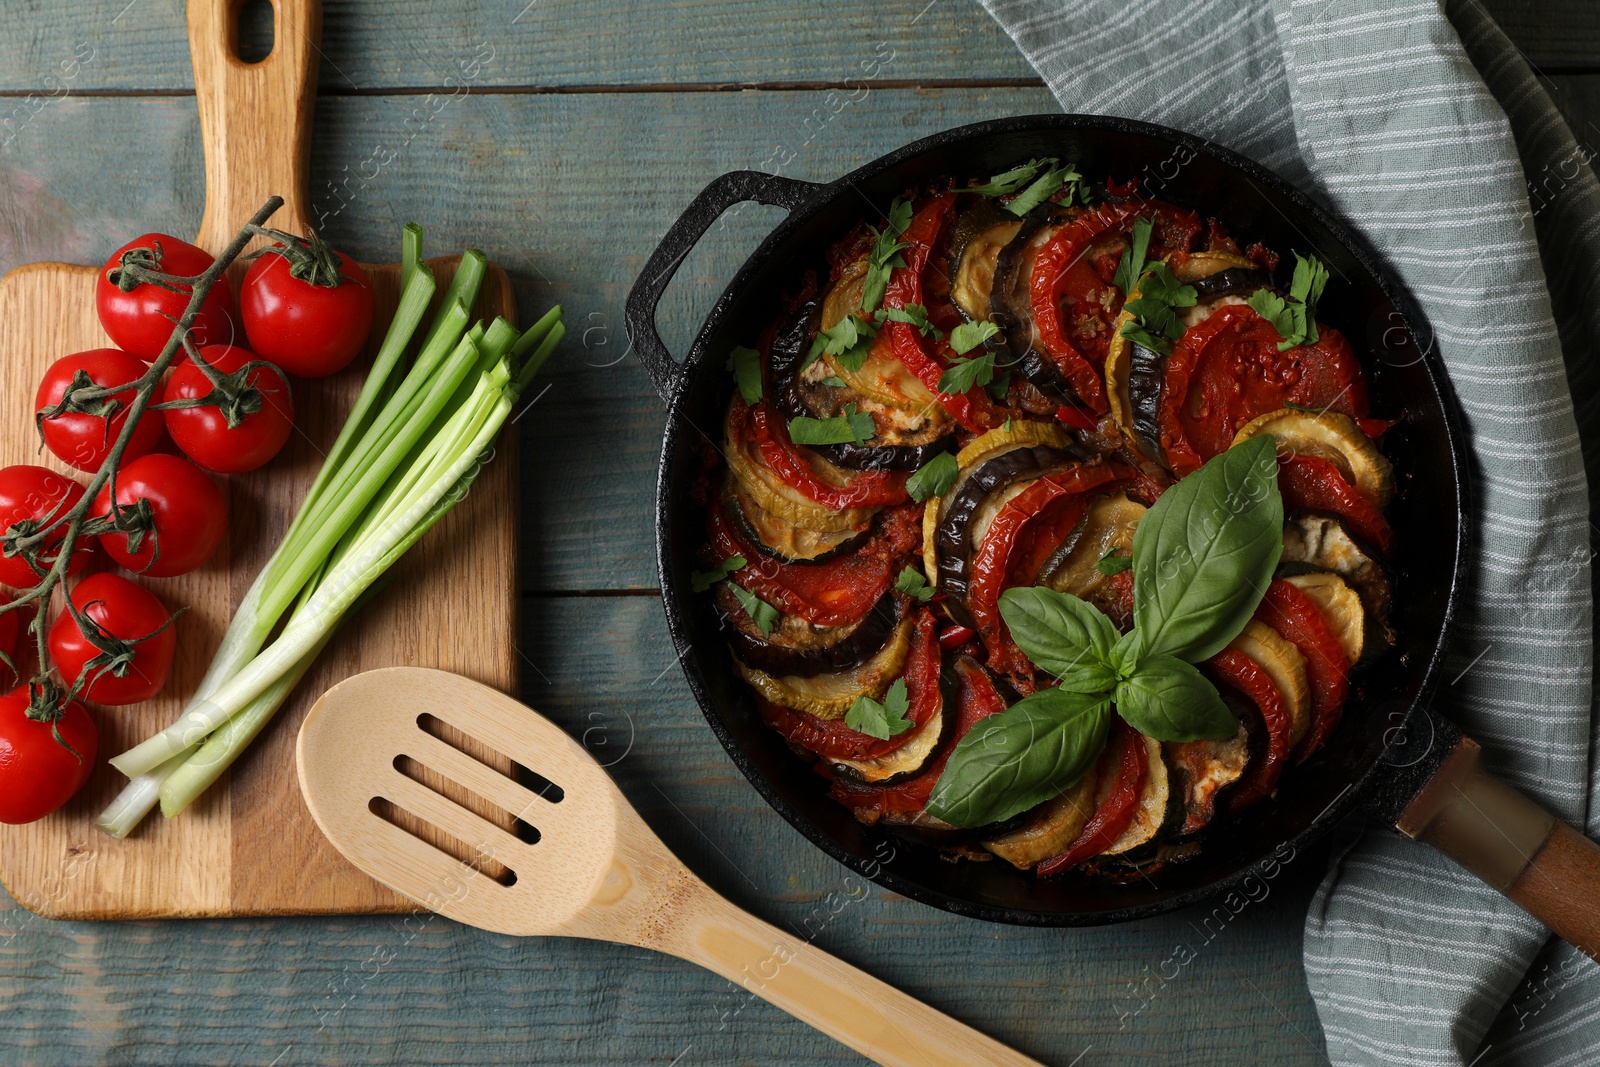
<point>1393,755</point>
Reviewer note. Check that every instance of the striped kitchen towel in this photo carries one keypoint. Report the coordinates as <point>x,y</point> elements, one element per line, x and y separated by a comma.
<point>1421,124</point>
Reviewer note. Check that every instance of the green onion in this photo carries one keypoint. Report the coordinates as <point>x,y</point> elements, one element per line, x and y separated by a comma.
<point>409,450</point>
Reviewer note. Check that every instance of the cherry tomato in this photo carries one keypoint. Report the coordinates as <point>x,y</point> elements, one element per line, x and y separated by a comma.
<point>32,497</point>
<point>137,321</point>
<point>203,433</point>
<point>38,774</point>
<point>126,613</point>
<point>83,439</point>
<point>305,312</point>
<point>188,517</point>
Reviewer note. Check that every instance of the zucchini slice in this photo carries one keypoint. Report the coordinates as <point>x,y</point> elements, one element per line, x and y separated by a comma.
<point>771,493</point>
<point>1321,543</point>
<point>1340,605</point>
<point>1157,813</point>
<point>829,696</point>
<point>1053,826</point>
<point>1331,436</point>
<point>844,296</point>
<point>903,762</point>
<point>784,541</point>
<point>1286,666</point>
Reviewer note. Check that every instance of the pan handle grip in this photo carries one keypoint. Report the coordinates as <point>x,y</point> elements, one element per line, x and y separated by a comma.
<point>721,194</point>
<point>1543,865</point>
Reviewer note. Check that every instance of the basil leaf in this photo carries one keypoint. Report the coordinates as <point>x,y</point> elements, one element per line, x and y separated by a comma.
<point>746,366</point>
<point>850,428</point>
<point>764,615</point>
<point>1169,700</point>
<point>700,581</point>
<point>1021,757</point>
<point>1062,634</point>
<point>885,720</point>
<point>934,479</point>
<point>1203,555</point>
<point>1131,266</point>
<point>913,584</point>
<point>965,375</point>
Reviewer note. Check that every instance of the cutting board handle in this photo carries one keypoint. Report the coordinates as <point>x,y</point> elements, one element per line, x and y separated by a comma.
<point>255,118</point>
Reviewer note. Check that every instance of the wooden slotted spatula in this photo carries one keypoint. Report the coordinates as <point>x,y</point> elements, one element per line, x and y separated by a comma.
<point>594,869</point>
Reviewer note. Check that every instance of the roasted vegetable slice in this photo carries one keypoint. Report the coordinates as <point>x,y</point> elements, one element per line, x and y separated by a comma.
<point>1050,828</point>
<point>1107,530</point>
<point>981,232</point>
<point>771,493</point>
<point>1160,810</point>
<point>1297,618</point>
<point>1286,666</point>
<point>1314,484</point>
<point>829,696</point>
<point>1330,436</point>
<point>772,536</point>
<point>1233,668</point>
<point>1340,606</point>
<point>1319,542</point>
<point>1207,771</point>
<point>800,649</point>
<point>1121,771</point>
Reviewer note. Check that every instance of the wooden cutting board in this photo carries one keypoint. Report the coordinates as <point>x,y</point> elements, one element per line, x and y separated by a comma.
<point>249,847</point>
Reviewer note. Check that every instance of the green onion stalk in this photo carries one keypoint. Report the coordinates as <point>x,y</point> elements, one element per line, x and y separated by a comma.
<point>412,446</point>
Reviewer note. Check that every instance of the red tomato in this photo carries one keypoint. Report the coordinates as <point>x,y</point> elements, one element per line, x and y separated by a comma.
<point>202,432</point>
<point>1228,370</point>
<point>1245,675</point>
<point>187,516</point>
<point>864,488</point>
<point>310,316</point>
<point>38,774</point>
<point>1296,616</point>
<point>83,439</point>
<point>126,613</point>
<point>136,321</point>
<point>32,497</point>
<point>1125,757</point>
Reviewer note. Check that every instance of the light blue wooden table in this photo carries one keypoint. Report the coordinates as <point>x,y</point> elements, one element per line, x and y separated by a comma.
<point>563,137</point>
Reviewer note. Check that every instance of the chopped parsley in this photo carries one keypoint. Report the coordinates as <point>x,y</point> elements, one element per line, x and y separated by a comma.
<point>703,580</point>
<point>1155,323</point>
<point>848,341</point>
<point>885,255</point>
<point>912,315</point>
<point>885,720</point>
<point>1131,265</point>
<point>934,479</point>
<point>746,366</point>
<point>964,375</point>
<point>913,584</point>
<point>970,335</point>
<point>852,427</point>
<point>1295,319</point>
<point>1111,563</point>
<point>764,615</point>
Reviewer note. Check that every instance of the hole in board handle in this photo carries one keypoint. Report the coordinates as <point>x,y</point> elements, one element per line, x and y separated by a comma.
<point>254,32</point>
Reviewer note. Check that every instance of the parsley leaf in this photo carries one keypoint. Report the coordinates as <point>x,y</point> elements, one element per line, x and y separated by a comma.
<point>1005,427</point>
<point>1043,188</point>
<point>913,584</point>
<point>835,381</point>
<point>1295,319</point>
<point>970,335</point>
<point>703,580</point>
<point>852,427</point>
<point>848,341</point>
<point>764,615</point>
<point>1131,265</point>
<point>912,315</point>
<point>964,375</point>
<point>746,366</point>
<point>883,721</point>
<point>1008,182</point>
<point>1000,388</point>
<point>1111,563</point>
<point>1155,324</point>
<point>934,479</point>
<point>885,254</point>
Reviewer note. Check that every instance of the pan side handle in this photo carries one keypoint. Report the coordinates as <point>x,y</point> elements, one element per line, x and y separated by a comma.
<point>1543,865</point>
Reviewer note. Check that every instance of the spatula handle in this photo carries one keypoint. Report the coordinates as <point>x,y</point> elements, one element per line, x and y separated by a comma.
<point>852,1007</point>
<point>255,118</point>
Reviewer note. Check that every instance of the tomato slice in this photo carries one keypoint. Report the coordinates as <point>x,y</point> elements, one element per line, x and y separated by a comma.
<point>905,342</point>
<point>977,699</point>
<point>835,593</point>
<point>1248,677</point>
<point>1126,759</point>
<point>1293,614</point>
<point>1056,499</point>
<point>832,739</point>
<point>1314,483</point>
<point>864,488</point>
<point>1074,311</point>
<point>1228,370</point>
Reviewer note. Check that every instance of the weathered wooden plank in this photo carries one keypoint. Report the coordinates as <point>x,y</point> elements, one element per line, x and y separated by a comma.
<point>382,44</point>
<point>568,193</point>
<point>371,45</point>
<point>426,991</point>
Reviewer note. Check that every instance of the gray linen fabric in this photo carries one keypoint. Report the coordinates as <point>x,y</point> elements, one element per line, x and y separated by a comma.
<point>1421,124</point>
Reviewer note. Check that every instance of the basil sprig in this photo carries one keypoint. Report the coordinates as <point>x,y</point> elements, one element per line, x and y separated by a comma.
<point>1202,558</point>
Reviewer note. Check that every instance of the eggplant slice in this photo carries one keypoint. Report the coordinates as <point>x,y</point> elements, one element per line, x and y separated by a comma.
<point>1051,827</point>
<point>829,695</point>
<point>784,541</point>
<point>1160,810</point>
<point>1107,528</point>
<point>1316,542</point>
<point>981,233</point>
<point>1010,303</point>
<point>797,649</point>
